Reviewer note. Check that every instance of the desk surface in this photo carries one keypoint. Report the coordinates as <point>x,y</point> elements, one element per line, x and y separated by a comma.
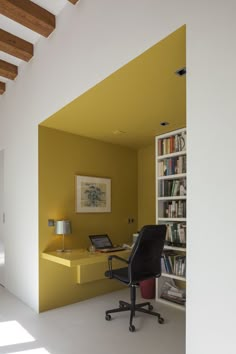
<point>79,257</point>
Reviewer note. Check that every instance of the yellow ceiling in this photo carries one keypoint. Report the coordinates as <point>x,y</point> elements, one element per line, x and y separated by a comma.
<point>133,100</point>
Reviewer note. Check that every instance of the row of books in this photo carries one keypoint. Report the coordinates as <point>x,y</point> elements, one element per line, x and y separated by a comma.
<point>174,143</point>
<point>173,293</point>
<point>173,264</point>
<point>173,187</point>
<point>176,234</point>
<point>175,209</point>
<point>172,166</point>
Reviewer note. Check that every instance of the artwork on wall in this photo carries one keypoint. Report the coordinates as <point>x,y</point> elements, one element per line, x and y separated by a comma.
<point>93,194</point>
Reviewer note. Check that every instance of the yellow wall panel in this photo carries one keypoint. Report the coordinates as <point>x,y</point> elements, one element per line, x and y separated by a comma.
<point>61,156</point>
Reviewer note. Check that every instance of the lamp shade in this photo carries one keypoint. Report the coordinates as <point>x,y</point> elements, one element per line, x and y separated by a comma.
<point>62,227</point>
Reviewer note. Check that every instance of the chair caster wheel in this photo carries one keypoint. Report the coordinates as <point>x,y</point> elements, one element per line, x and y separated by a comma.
<point>150,307</point>
<point>161,320</point>
<point>132,328</point>
<point>108,317</point>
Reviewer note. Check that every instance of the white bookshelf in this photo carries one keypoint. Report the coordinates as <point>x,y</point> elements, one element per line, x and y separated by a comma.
<point>178,249</point>
<point>171,199</point>
<point>177,176</point>
<point>171,219</point>
<point>172,276</point>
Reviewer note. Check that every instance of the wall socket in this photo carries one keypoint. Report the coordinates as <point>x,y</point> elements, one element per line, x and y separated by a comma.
<point>51,222</point>
<point>130,220</point>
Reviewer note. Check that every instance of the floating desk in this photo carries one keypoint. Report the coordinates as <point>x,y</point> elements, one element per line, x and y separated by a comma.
<point>90,266</point>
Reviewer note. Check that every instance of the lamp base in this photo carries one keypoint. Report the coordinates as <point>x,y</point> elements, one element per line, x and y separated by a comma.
<point>64,251</point>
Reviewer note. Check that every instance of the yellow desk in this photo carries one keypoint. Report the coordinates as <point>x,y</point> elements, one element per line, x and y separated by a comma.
<point>90,266</point>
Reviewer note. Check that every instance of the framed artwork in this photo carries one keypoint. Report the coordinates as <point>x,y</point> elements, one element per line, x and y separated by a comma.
<point>93,194</point>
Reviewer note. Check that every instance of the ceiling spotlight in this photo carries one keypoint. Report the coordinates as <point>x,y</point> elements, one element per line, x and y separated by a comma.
<point>181,72</point>
<point>163,124</point>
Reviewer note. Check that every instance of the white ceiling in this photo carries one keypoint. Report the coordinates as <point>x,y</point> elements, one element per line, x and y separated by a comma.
<point>53,6</point>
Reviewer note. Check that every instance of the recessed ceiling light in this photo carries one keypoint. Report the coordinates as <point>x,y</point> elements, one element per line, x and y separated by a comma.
<point>181,72</point>
<point>163,124</point>
<point>118,132</point>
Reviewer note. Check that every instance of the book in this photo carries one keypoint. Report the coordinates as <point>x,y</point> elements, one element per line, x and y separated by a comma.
<point>176,188</point>
<point>181,233</point>
<point>176,143</point>
<point>182,188</point>
<point>182,141</point>
<point>163,266</point>
<point>175,293</point>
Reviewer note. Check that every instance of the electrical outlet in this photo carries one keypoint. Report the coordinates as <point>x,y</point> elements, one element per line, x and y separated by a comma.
<point>130,220</point>
<point>51,222</point>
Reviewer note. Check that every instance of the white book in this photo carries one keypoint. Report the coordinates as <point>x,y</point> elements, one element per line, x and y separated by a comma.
<point>176,143</point>
<point>180,164</point>
<point>181,234</point>
<point>183,141</point>
<point>161,168</point>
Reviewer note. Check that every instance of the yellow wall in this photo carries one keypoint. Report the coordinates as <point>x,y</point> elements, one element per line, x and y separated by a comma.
<point>61,156</point>
<point>146,186</point>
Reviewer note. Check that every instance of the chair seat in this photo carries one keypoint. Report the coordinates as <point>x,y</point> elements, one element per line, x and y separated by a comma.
<point>120,274</point>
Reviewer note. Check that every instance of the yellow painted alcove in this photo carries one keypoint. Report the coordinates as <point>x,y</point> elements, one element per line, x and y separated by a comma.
<point>107,132</point>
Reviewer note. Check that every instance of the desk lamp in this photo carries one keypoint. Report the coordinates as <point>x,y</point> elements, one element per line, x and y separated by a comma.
<point>63,227</point>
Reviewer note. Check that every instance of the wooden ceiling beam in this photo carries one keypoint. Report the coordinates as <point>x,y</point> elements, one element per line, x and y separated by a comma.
<point>16,46</point>
<point>73,1</point>
<point>2,87</point>
<point>29,15</point>
<point>8,70</point>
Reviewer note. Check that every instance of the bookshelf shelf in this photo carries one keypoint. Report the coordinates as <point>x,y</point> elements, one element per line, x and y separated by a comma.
<point>171,200</point>
<point>173,276</point>
<point>174,248</point>
<point>174,154</point>
<point>171,219</point>
<point>172,304</point>
<point>176,176</point>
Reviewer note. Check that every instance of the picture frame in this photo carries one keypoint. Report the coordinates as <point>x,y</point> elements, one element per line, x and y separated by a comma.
<point>92,194</point>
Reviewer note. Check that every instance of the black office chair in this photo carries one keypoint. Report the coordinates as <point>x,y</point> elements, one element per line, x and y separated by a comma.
<point>144,263</point>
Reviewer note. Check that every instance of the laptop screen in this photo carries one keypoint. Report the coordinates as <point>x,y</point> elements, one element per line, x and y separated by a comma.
<point>100,241</point>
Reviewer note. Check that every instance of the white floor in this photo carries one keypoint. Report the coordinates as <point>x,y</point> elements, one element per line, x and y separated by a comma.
<point>82,329</point>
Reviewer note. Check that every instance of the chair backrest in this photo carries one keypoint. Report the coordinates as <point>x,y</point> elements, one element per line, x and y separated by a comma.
<point>145,258</point>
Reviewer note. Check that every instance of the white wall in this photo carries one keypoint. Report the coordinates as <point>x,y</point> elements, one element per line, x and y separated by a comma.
<point>90,42</point>
<point>211,112</point>
<point>2,252</point>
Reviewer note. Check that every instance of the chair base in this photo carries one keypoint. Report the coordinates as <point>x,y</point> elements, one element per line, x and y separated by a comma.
<point>133,307</point>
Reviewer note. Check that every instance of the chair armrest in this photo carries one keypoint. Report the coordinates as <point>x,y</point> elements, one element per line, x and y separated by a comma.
<point>110,263</point>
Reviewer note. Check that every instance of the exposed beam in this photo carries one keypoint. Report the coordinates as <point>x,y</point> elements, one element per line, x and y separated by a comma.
<point>29,15</point>
<point>73,1</point>
<point>8,70</point>
<point>2,87</point>
<point>15,46</point>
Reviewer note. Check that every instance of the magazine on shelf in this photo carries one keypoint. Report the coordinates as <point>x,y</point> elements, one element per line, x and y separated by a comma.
<point>173,293</point>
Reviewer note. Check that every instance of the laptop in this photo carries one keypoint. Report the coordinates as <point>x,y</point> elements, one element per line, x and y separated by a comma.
<point>103,243</point>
